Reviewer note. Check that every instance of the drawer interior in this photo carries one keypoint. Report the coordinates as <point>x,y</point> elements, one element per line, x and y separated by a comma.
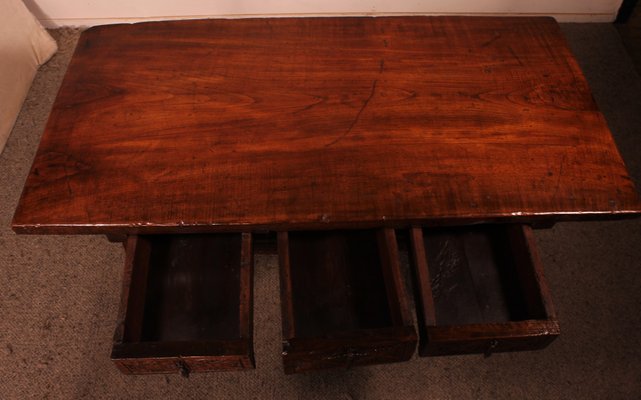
<point>474,277</point>
<point>193,288</point>
<point>337,283</point>
<point>342,297</point>
<point>484,286</point>
<point>187,295</point>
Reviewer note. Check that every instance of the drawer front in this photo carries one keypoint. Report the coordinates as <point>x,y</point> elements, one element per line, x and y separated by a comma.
<point>480,290</point>
<point>186,304</point>
<point>356,349</point>
<point>149,365</point>
<point>183,365</point>
<point>219,363</point>
<point>343,300</point>
<point>489,338</point>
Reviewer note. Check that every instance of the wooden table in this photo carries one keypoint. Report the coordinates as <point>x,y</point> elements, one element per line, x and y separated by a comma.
<point>211,125</point>
<point>309,124</point>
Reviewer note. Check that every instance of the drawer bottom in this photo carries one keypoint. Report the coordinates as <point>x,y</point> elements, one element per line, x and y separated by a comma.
<point>186,304</point>
<point>480,289</point>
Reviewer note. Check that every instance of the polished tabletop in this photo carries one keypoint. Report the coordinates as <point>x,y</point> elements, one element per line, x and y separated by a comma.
<point>313,123</point>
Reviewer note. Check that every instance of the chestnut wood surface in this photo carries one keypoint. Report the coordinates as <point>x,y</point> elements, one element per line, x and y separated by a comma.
<point>186,304</point>
<point>343,300</point>
<point>337,282</point>
<point>480,289</point>
<point>305,123</point>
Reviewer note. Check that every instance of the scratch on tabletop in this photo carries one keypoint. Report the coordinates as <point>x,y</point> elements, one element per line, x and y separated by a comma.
<point>358,115</point>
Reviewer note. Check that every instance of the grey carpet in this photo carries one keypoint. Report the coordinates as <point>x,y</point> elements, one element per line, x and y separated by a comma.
<point>59,294</point>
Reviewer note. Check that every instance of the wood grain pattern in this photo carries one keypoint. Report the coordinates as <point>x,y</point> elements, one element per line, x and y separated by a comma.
<point>489,338</point>
<point>349,349</point>
<point>480,290</point>
<point>343,300</point>
<point>132,302</point>
<point>394,284</point>
<point>186,304</point>
<point>311,123</point>
<point>337,281</point>
<point>194,289</point>
<point>183,357</point>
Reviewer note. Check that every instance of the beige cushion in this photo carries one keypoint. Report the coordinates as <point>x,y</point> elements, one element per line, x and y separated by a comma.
<point>24,46</point>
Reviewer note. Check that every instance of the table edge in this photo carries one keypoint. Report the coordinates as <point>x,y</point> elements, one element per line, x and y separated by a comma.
<point>541,218</point>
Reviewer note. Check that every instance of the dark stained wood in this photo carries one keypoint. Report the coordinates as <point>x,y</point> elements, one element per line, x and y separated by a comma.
<point>390,266</point>
<point>531,279</point>
<point>186,304</point>
<point>286,292</point>
<point>194,356</point>
<point>488,338</point>
<point>193,291</point>
<point>265,243</point>
<point>423,301</point>
<point>337,282</point>
<point>349,349</point>
<point>132,302</point>
<point>452,285</point>
<point>343,300</point>
<point>322,123</point>
<point>480,290</point>
<point>246,284</point>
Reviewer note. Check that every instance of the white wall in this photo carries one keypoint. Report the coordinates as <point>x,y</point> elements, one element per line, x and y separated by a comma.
<point>97,12</point>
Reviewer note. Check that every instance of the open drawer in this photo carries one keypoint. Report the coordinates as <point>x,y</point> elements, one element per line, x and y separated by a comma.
<point>343,300</point>
<point>480,289</point>
<point>186,304</point>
